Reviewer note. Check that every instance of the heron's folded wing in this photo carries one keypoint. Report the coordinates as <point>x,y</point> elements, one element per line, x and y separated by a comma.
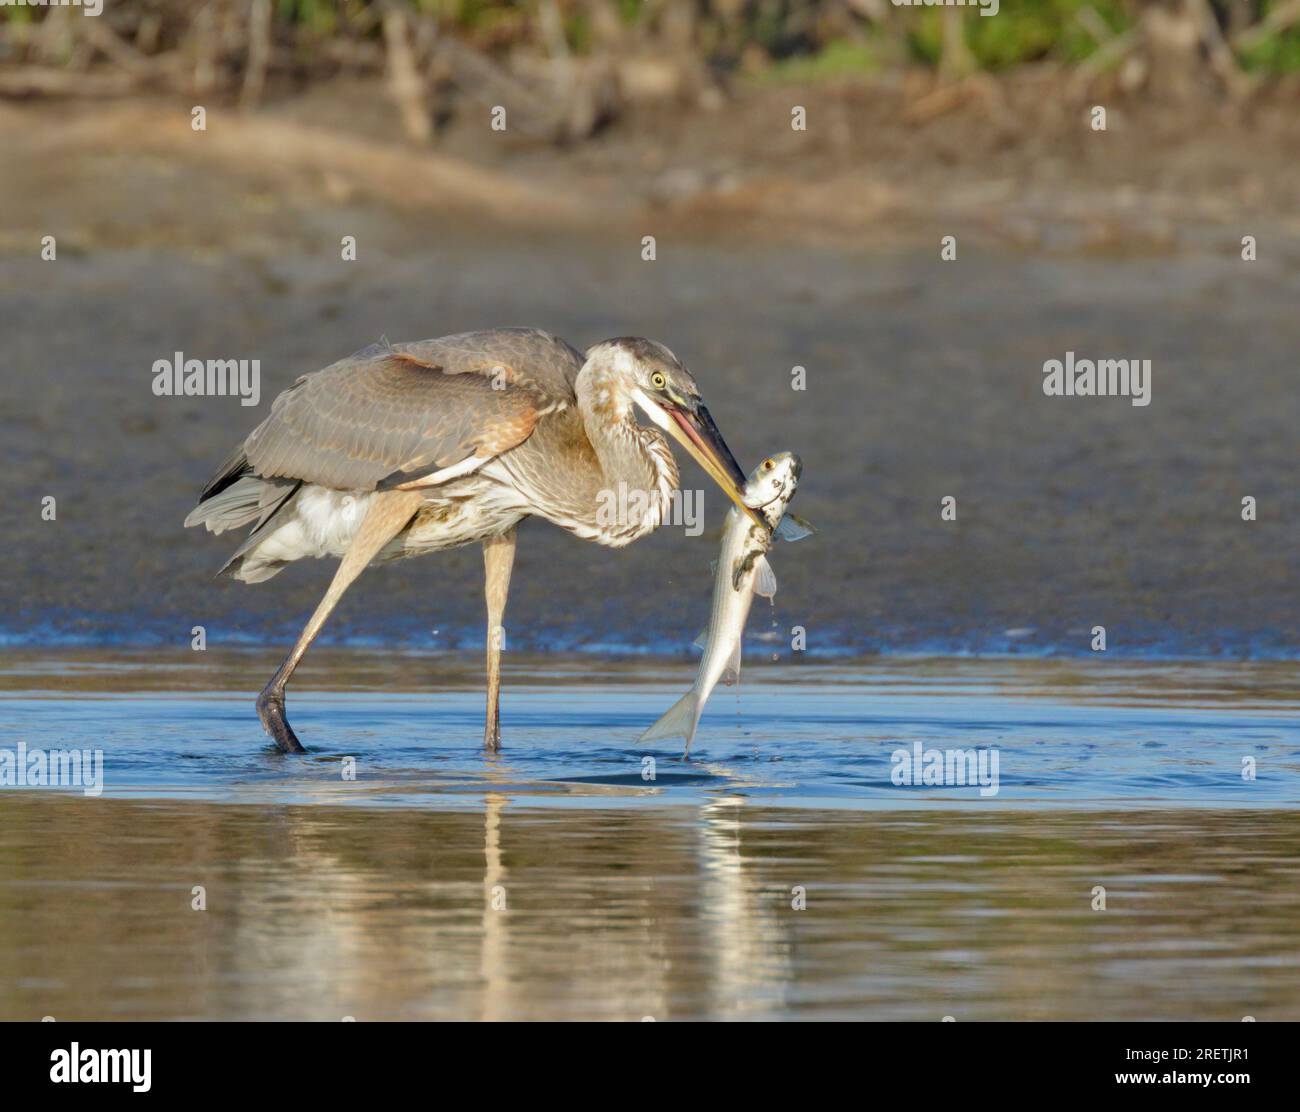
<point>385,411</point>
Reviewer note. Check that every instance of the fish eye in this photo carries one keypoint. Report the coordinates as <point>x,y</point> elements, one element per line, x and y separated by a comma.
<point>658,381</point>
<point>769,463</point>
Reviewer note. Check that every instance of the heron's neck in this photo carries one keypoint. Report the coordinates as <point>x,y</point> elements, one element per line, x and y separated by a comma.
<point>638,472</point>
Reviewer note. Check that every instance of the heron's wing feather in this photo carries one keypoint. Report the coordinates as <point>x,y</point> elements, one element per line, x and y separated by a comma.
<point>387,410</point>
<point>532,356</point>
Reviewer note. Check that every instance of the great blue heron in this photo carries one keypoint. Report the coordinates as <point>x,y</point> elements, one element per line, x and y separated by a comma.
<point>403,449</point>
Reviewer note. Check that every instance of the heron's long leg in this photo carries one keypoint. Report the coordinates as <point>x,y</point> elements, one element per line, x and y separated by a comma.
<point>498,559</point>
<point>388,513</point>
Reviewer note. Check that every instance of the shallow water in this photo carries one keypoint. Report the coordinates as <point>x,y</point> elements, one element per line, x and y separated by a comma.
<point>1065,734</point>
<point>380,897</point>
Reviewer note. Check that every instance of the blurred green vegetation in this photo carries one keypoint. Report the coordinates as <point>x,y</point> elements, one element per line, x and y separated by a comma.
<point>837,59</point>
<point>780,40</point>
<point>1022,31</point>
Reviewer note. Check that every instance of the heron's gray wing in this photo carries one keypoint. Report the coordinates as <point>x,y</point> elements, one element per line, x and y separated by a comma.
<point>385,411</point>
<point>532,356</point>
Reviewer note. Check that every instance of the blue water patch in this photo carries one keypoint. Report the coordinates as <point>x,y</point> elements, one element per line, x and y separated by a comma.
<point>827,644</point>
<point>800,745</point>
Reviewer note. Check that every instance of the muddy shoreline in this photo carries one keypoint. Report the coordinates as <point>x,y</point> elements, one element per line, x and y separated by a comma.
<point>924,383</point>
<point>924,376</point>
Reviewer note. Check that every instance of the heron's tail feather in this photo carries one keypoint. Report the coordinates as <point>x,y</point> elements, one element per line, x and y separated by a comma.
<point>680,720</point>
<point>231,507</point>
<point>276,506</point>
<point>230,472</point>
<point>234,497</point>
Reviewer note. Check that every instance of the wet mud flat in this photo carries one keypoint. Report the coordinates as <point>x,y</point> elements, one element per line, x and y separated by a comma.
<point>924,383</point>
<point>923,377</point>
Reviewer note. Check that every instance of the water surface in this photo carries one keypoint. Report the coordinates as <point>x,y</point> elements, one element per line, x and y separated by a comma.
<point>777,874</point>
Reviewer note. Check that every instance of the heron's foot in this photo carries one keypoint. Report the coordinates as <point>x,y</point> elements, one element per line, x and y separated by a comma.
<point>270,709</point>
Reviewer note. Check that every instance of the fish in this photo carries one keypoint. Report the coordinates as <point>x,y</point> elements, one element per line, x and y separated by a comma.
<point>742,571</point>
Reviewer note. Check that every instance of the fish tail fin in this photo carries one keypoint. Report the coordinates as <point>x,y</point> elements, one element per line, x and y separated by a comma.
<point>679,720</point>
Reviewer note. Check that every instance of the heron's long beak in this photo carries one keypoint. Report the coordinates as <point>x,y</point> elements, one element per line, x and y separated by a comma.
<point>695,431</point>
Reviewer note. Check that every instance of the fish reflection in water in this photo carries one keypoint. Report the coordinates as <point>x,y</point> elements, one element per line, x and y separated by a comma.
<point>748,932</point>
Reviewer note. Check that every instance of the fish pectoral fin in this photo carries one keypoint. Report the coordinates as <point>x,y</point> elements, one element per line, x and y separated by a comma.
<point>764,578</point>
<point>701,641</point>
<point>792,527</point>
<point>741,569</point>
<point>731,672</point>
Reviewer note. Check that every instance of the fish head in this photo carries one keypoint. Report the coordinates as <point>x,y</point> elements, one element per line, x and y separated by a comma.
<point>772,484</point>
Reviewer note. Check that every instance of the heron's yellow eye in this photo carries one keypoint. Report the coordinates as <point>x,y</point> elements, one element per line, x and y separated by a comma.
<point>769,463</point>
<point>658,381</point>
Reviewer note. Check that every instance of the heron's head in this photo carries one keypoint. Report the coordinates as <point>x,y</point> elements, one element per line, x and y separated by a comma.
<point>653,379</point>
